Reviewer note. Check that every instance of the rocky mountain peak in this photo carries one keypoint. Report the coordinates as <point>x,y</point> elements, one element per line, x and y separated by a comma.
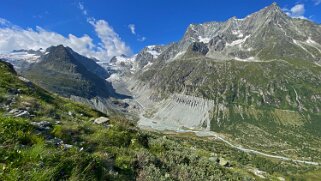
<point>271,12</point>
<point>274,7</point>
<point>266,34</point>
<point>57,50</point>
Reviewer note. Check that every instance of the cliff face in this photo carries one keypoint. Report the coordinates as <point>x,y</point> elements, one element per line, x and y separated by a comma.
<point>64,72</point>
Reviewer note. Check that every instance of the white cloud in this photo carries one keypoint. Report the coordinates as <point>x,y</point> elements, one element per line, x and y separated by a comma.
<point>6,23</point>
<point>82,8</point>
<point>317,2</point>
<point>141,38</point>
<point>296,11</point>
<point>3,21</point>
<point>110,40</point>
<point>13,37</point>
<point>132,28</point>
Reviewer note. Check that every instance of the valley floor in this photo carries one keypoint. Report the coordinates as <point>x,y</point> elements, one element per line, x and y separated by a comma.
<point>182,114</point>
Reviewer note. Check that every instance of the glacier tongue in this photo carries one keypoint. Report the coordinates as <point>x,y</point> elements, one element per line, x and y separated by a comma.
<point>179,111</point>
<point>22,58</point>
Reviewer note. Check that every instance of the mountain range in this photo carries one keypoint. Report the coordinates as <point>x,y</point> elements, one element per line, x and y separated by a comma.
<point>254,81</point>
<point>251,83</point>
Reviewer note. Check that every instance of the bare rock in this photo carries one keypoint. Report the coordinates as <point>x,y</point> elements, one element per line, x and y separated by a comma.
<point>101,120</point>
<point>42,125</point>
<point>19,113</point>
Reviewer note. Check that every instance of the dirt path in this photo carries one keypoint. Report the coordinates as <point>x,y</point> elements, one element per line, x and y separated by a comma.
<point>213,134</point>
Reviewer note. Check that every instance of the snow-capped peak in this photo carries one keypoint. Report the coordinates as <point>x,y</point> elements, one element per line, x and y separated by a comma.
<point>29,56</point>
<point>152,49</point>
<point>22,58</point>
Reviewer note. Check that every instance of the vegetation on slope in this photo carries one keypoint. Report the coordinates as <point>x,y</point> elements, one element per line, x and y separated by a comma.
<point>59,141</point>
<point>270,106</point>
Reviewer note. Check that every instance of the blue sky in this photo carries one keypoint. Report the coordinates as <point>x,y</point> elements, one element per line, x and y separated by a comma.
<point>99,23</point>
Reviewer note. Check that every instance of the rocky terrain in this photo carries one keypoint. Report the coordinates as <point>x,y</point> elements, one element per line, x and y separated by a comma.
<point>243,96</point>
<point>47,137</point>
<point>254,80</point>
<point>61,70</point>
<point>265,35</point>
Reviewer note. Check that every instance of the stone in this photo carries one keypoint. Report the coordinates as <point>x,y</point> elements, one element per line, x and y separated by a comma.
<point>56,141</point>
<point>213,159</point>
<point>24,79</point>
<point>13,111</point>
<point>13,91</point>
<point>224,162</point>
<point>67,146</point>
<point>42,125</point>
<point>70,113</point>
<point>19,113</point>
<point>101,120</point>
<point>24,114</point>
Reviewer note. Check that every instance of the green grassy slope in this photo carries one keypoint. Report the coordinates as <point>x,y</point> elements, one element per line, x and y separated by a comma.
<point>271,106</point>
<point>119,152</point>
<point>73,148</point>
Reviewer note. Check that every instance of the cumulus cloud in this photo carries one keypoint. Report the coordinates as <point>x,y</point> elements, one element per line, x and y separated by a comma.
<point>296,11</point>
<point>132,28</point>
<point>110,40</point>
<point>13,37</point>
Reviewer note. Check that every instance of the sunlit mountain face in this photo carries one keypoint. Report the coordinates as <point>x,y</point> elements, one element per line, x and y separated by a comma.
<point>165,91</point>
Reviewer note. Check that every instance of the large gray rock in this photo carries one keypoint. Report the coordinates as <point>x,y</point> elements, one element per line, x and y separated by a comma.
<point>42,125</point>
<point>19,113</point>
<point>101,120</point>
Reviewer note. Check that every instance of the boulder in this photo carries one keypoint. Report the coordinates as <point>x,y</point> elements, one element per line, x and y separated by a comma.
<point>67,146</point>
<point>42,125</point>
<point>23,114</point>
<point>224,162</point>
<point>19,113</point>
<point>213,159</point>
<point>101,120</point>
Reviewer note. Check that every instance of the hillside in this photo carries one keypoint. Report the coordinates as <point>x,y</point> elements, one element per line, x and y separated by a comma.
<point>254,81</point>
<point>233,100</point>
<point>56,139</point>
<point>66,73</point>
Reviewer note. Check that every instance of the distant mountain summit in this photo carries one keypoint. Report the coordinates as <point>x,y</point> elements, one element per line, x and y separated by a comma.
<point>22,59</point>
<point>140,61</point>
<point>63,71</point>
<point>266,34</point>
<point>256,80</point>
